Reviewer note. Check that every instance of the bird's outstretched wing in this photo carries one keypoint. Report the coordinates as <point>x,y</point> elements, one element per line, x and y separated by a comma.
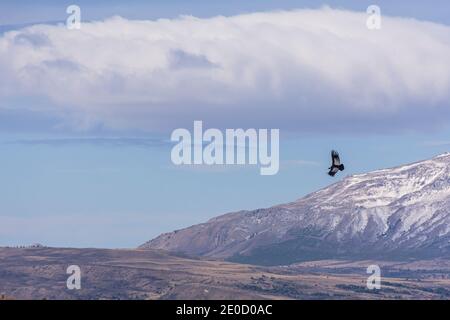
<point>335,158</point>
<point>333,171</point>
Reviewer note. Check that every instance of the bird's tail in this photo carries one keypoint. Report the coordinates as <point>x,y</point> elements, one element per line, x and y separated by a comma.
<point>341,167</point>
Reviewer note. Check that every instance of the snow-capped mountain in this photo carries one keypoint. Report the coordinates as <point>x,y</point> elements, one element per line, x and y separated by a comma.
<point>396,213</point>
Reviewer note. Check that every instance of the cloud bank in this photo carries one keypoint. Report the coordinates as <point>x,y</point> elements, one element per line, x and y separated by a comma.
<point>303,70</point>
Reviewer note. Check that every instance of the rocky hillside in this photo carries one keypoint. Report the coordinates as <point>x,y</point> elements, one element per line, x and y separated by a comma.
<point>396,213</point>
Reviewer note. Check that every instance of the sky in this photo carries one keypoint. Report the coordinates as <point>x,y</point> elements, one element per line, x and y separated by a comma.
<point>86,115</point>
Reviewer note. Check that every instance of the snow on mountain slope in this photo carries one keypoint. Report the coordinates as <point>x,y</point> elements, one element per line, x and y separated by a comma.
<point>402,212</point>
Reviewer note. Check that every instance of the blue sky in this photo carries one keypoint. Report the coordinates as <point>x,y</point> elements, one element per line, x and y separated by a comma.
<point>96,171</point>
<point>26,11</point>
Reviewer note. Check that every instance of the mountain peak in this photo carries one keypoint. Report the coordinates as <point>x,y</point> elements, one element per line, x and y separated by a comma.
<point>402,210</point>
<point>443,155</point>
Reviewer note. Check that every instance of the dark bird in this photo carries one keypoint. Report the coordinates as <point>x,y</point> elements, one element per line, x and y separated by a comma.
<point>336,164</point>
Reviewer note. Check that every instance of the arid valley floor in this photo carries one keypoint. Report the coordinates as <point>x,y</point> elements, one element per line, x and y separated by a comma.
<point>40,273</point>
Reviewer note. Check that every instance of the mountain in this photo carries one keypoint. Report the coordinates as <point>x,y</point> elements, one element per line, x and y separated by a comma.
<point>398,213</point>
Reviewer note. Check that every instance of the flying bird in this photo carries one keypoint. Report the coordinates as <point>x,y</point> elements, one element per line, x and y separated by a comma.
<point>336,164</point>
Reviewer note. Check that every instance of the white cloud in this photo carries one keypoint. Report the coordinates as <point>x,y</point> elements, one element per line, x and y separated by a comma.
<point>298,70</point>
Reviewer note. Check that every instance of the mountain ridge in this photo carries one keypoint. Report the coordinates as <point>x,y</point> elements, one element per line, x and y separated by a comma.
<point>396,213</point>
